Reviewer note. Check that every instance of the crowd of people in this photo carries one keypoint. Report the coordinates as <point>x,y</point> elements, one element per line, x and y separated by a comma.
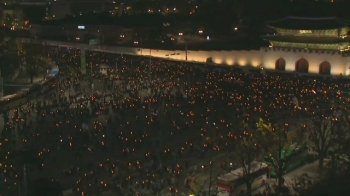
<point>142,126</point>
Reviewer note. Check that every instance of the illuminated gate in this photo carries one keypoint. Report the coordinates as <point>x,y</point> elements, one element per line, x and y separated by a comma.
<point>280,64</point>
<point>325,68</point>
<point>302,66</point>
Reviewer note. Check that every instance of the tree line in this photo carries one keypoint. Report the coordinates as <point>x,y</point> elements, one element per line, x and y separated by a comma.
<point>30,58</point>
<point>317,131</point>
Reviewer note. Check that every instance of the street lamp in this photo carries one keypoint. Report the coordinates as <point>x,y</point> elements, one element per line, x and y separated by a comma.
<point>2,84</point>
<point>150,65</point>
<point>210,176</point>
<point>5,30</point>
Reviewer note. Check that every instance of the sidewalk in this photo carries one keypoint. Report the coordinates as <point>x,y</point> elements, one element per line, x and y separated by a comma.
<point>84,84</point>
<point>310,170</point>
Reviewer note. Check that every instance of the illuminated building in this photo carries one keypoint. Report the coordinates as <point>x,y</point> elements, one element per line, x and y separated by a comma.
<point>308,45</point>
<point>301,45</point>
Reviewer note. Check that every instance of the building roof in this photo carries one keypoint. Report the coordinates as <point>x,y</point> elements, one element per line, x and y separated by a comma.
<point>300,39</point>
<point>302,23</point>
<point>86,19</point>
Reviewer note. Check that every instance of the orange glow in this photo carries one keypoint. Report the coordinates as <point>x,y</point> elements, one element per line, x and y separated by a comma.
<point>242,62</point>
<point>230,62</point>
<point>218,60</point>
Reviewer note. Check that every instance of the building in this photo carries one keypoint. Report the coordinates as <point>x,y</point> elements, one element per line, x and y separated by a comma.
<point>308,45</point>
<point>301,45</point>
<point>12,16</point>
<point>39,31</point>
<point>59,9</point>
<point>62,30</point>
<point>119,9</point>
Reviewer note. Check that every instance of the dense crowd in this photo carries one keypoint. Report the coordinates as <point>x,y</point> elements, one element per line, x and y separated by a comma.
<point>141,127</point>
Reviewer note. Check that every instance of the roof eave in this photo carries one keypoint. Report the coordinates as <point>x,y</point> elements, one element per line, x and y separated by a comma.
<point>270,26</point>
<point>319,29</point>
<point>309,42</point>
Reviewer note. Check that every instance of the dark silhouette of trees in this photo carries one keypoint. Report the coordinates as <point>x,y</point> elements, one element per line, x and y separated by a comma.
<point>323,130</point>
<point>248,149</point>
<point>45,187</point>
<point>280,142</point>
<point>36,59</point>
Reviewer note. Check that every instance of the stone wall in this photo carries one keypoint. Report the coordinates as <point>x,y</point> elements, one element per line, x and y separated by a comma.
<point>339,63</point>
<point>265,57</point>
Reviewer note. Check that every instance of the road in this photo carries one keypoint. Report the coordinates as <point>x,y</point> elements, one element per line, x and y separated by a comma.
<point>178,55</point>
<point>20,83</point>
<point>13,89</point>
<point>109,49</point>
<point>99,86</point>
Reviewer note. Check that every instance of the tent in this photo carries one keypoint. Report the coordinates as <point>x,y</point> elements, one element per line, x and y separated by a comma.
<point>103,69</point>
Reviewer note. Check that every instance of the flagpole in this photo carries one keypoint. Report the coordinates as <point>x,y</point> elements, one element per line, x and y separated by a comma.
<point>150,63</point>
<point>116,62</point>
<point>2,84</point>
<point>186,51</point>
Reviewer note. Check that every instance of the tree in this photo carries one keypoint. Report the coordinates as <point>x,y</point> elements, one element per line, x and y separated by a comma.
<point>16,47</point>
<point>305,185</point>
<point>43,64</point>
<point>324,131</point>
<point>31,67</point>
<point>11,58</point>
<point>44,187</point>
<point>248,149</point>
<point>36,58</point>
<point>280,141</point>
<point>195,185</point>
<point>200,188</point>
<point>8,20</point>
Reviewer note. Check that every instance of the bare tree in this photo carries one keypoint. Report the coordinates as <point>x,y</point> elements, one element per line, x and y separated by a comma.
<point>36,58</point>
<point>324,129</point>
<point>200,188</point>
<point>281,143</point>
<point>248,150</point>
<point>301,184</point>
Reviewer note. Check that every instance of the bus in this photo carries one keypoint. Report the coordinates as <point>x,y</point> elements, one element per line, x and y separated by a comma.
<point>296,156</point>
<point>233,182</point>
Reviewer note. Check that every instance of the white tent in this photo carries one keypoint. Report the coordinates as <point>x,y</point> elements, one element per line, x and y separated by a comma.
<point>103,69</point>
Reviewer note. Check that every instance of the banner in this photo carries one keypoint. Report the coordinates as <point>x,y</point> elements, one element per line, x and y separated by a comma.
<point>93,41</point>
<point>54,72</point>
<point>83,61</point>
